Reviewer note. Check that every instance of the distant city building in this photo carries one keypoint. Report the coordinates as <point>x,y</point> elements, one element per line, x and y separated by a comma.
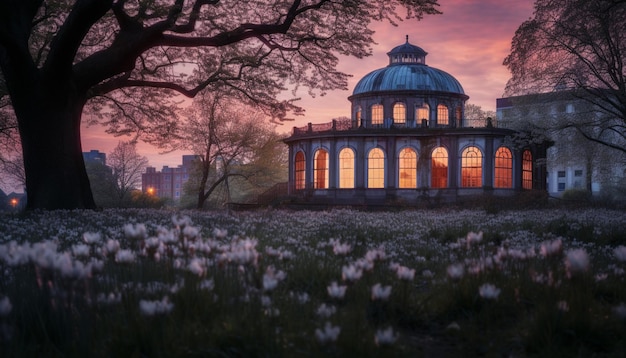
<point>408,141</point>
<point>95,156</point>
<point>573,162</point>
<point>169,182</point>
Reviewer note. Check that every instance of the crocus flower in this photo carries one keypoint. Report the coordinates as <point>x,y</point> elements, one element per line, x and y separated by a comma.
<point>456,271</point>
<point>351,273</point>
<point>328,334</point>
<point>380,293</point>
<point>576,262</point>
<point>385,337</point>
<point>620,253</point>
<point>489,291</point>
<point>336,291</point>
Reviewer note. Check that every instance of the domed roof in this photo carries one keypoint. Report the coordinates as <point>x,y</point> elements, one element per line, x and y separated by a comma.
<point>407,70</point>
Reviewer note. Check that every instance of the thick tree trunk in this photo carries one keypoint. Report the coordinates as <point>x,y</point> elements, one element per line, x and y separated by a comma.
<point>56,177</point>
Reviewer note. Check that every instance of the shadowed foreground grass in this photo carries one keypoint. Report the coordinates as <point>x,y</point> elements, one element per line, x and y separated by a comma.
<point>147,283</point>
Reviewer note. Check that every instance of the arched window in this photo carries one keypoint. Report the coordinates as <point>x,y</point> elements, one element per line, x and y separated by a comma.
<point>377,114</point>
<point>457,115</point>
<point>399,113</point>
<point>503,177</point>
<point>442,115</point>
<point>439,168</point>
<point>407,169</point>
<point>527,170</point>
<point>357,116</point>
<point>422,113</point>
<point>320,169</point>
<point>300,171</point>
<point>346,168</point>
<point>376,168</point>
<point>471,168</point>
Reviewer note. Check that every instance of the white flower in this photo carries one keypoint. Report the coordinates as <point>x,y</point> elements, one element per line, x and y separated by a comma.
<point>271,278</point>
<point>326,311</point>
<point>196,267</point>
<point>135,231</point>
<point>191,232</point>
<point>549,248</point>
<point>385,337</point>
<point>336,291</point>
<point>329,334</point>
<point>92,237</point>
<point>620,253</point>
<point>474,238</point>
<point>151,308</point>
<point>405,273</point>
<point>80,250</point>
<point>456,271</point>
<point>341,249</point>
<point>489,291</point>
<point>220,233</point>
<point>351,273</point>
<point>181,221</point>
<point>576,261</point>
<point>112,246</point>
<point>125,256</point>
<point>380,293</point>
<point>5,307</point>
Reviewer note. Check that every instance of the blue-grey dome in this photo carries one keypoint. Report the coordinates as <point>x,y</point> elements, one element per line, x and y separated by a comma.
<point>407,70</point>
<point>412,77</point>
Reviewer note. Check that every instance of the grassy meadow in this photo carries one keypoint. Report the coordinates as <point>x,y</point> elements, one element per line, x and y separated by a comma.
<point>339,283</point>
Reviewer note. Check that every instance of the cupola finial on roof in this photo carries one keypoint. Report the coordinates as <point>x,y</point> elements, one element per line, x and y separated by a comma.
<point>407,54</point>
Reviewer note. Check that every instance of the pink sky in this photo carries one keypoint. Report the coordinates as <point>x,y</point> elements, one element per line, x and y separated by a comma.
<point>469,41</point>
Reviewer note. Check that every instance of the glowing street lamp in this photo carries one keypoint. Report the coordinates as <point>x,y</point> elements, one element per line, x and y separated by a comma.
<point>14,202</point>
<point>150,191</point>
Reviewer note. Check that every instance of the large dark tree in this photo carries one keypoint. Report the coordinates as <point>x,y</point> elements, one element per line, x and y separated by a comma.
<point>58,56</point>
<point>578,48</point>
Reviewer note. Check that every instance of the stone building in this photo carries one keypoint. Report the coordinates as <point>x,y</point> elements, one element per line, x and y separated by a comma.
<point>406,142</point>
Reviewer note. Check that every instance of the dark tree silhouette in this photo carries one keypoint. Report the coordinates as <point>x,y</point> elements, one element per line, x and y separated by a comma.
<point>578,49</point>
<point>58,56</point>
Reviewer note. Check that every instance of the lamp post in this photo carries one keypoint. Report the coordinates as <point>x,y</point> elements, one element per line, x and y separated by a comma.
<point>14,202</point>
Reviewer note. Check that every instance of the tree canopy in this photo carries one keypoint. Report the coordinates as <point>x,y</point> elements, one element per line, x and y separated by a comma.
<point>125,59</point>
<point>577,47</point>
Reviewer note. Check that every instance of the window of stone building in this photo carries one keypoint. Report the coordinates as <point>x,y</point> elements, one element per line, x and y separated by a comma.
<point>503,168</point>
<point>472,168</point>
<point>300,171</point>
<point>376,169</point>
<point>399,113</point>
<point>527,170</point>
<point>346,168</point>
<point>442,115</point>
<point>358,116</point>
<point>377,114</point>
<point>407,168</point>
<point>422,113</point>
<point>320,169</point>
<point>439,168</point>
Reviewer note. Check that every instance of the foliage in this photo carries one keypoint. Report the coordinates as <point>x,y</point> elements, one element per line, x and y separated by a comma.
<point>578,46</point>
<point>235,146</point>
<point>126,166</point>
<point>157,283</point>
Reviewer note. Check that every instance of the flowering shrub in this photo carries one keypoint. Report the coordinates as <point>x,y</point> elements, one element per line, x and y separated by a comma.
<point>312,283</point>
